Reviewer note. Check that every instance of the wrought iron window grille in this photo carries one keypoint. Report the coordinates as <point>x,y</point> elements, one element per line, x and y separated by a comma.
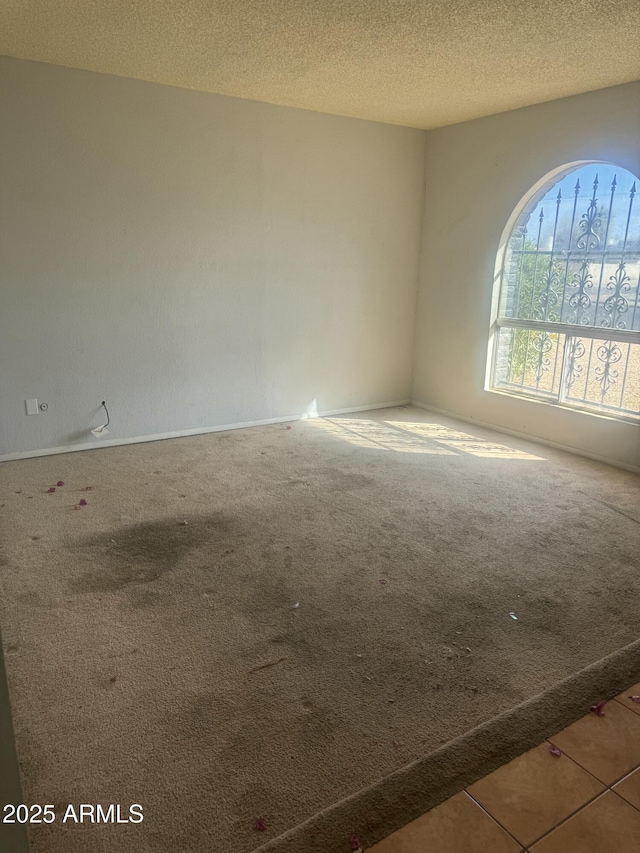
<point>567,329</point>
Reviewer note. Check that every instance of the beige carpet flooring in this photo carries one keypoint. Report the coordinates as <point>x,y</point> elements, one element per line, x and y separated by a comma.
<point>336,605</point>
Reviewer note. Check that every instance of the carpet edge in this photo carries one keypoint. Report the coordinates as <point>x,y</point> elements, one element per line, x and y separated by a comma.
<point>389,804</point>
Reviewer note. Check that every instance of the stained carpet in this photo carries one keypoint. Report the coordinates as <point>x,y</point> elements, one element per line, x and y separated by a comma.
<point>259,623</point>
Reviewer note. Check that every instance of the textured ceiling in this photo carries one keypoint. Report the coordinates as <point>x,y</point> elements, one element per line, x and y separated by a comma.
<point>423,63</point>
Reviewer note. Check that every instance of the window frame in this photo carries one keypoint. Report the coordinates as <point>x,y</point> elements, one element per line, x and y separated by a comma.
<point>568,330</point>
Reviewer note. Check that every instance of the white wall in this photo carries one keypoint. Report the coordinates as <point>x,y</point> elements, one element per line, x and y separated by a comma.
<point>194,259</point>
<point>476,173</point>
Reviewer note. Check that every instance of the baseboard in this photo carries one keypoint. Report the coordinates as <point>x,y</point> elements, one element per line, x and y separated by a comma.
<point>534,438</point>
<point>161,436</point>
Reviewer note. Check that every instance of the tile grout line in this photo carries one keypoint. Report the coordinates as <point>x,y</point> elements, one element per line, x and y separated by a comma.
<point>575,761</point>
<point>573,814</point>
<point>615,699</point>
<point>623,799</point>
<point>582,808</point>
<point>584,805</point>
<point>606,789</point>
<point>629,772</point>
<point>560,822</point>
<point>488,813</point>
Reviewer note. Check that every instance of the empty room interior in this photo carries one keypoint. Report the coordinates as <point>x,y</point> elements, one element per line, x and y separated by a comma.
<point>319,426</point>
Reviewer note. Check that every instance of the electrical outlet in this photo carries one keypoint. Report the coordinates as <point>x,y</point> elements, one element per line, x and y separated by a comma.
<point>32,407</point>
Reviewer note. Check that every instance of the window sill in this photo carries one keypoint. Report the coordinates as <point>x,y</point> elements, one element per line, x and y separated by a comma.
<point>622,418</point>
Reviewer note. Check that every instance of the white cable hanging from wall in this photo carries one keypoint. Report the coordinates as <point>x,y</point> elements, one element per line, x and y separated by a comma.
<point>103,429</point>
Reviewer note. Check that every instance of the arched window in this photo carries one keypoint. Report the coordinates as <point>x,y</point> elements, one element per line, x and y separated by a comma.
<point>567,325</point>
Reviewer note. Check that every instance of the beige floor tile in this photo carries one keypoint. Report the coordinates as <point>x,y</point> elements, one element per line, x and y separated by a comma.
<point>627,702</point>
<point>457,825</point>
<point>607,825</point>
<point>629,788</point>
<point>608,747</point>
<point>532,794</point>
